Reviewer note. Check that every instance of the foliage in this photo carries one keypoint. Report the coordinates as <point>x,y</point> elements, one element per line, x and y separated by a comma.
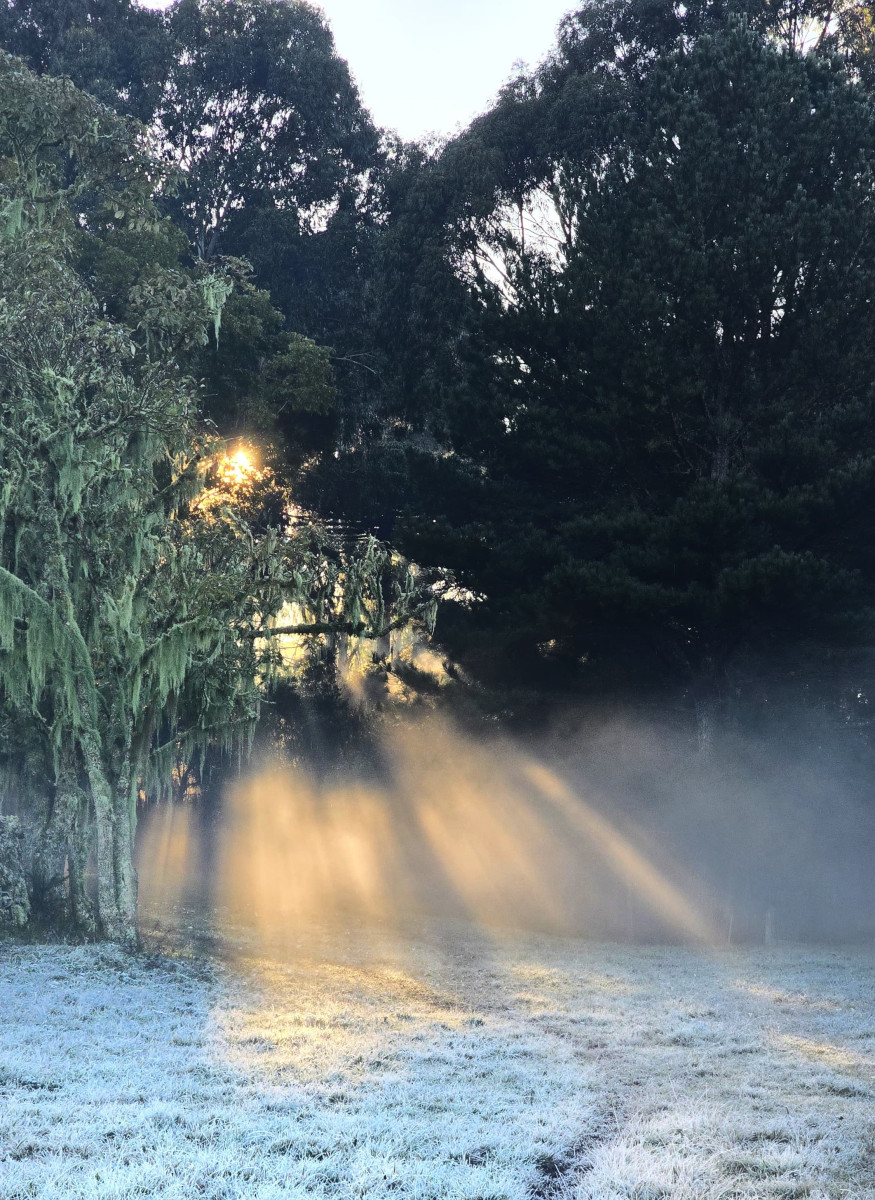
<point>659,395</point>
<point>113,49</point>
<point>259,109</point>
<point>606,353</point>
<point>259,379</point>
<point>269,155</point>
<point>137,597</point>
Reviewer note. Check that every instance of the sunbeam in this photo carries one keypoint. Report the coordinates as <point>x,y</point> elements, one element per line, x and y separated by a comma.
<point>456,828</point>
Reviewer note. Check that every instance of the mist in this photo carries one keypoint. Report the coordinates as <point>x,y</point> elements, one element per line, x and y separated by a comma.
<point>612,829</point>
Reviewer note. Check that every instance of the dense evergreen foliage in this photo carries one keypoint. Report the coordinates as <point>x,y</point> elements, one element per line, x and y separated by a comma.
<point>634,302</point>
<point>666,378</point>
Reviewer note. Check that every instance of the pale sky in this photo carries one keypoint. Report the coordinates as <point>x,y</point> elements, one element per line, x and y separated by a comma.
<point>428,66</point>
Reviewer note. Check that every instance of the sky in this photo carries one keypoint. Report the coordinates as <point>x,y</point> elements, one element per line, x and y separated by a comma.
<point>428,66</point>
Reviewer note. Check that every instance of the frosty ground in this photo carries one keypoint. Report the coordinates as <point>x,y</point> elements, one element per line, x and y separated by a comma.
<point>440,1065</point>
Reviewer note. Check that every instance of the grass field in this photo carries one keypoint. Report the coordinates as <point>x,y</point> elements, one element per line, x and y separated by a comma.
<point>440,1065</point>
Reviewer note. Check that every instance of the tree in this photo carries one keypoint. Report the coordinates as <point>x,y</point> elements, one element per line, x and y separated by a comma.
<point>277,157</point>
<point>138,596</point>
<point>661,394</point>
<point>262,381</point>
<point>113,49</point>
<point>276,163</point>
<point>259,110</point>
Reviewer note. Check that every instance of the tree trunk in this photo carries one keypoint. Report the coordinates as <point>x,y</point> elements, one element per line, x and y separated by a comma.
<point>49,875</point>
<point>78,845</point>
<point>125,871</point>
<point>113,837</point>
<point>58,838</point>
<point>116,906</point>
<point>81,909</point>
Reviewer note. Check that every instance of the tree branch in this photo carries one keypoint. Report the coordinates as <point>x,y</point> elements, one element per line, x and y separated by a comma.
<point>354,629</point>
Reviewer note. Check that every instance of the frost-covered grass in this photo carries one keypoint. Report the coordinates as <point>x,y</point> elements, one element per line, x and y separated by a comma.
<point>439,1066</point>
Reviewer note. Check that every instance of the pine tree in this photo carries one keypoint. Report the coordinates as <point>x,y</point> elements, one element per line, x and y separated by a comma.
<point>659,393</point>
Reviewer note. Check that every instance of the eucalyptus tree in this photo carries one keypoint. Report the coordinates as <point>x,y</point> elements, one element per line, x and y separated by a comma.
<point>117,50</point>
<point>260,110</point>
<point>277,157</point>
<point>277,160</point>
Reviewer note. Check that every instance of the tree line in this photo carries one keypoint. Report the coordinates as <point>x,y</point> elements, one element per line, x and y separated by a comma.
<point>606,356</point>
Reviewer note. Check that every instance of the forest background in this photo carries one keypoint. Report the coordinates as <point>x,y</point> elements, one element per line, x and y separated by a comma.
<point>597,373</point>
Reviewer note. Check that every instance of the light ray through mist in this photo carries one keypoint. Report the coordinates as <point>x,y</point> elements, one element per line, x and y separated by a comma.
<point>618,852</point>
<point>458,829</point>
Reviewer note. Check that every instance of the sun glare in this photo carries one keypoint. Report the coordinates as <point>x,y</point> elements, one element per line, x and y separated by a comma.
<point>238,468</point>
<point>232,474</point>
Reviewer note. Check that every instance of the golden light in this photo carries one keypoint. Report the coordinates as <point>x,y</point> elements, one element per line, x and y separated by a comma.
<point>619,853</point>
<point>238,468</point>
<point>457,829</point>
<point>232,473</point>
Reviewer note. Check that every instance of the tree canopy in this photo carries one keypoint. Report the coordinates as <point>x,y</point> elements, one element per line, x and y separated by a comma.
<point>658,396</point>
<point>259,109</point>
<point>139,592</point>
